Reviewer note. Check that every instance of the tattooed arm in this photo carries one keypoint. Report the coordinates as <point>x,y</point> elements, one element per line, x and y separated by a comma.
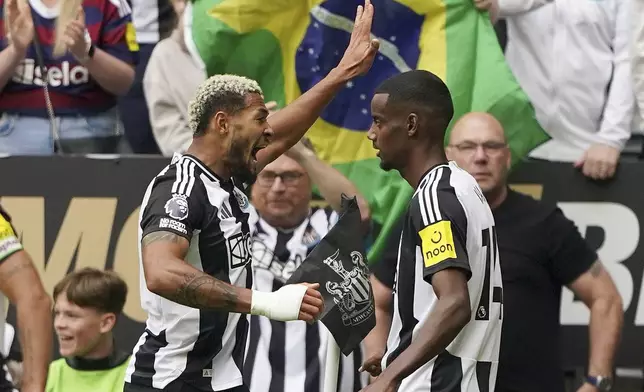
<point>19,281</point>
<point>597,290</point>
<point>168,275</point>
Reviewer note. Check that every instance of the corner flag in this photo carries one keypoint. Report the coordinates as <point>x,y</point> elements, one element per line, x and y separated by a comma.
<point>338,263</point>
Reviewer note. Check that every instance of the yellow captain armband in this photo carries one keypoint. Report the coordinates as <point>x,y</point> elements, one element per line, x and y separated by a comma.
<point>9,242</point>
<point>437,243</point>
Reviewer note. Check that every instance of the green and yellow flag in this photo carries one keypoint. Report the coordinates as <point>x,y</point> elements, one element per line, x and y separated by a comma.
<point>290,45</point>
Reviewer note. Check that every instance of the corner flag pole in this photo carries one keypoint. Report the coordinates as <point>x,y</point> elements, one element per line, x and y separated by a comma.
<point>332,364</point>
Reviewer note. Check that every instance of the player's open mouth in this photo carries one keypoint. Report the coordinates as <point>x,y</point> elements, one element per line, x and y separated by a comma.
<point>254,152</point>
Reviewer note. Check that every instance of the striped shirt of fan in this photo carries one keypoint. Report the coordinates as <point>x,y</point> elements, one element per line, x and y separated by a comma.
<point>287,228</point>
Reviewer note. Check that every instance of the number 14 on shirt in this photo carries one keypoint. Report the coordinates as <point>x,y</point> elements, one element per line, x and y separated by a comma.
<point>492,276</point>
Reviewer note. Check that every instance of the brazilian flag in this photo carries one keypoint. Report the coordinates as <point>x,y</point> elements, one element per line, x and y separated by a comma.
<point>290,45</point>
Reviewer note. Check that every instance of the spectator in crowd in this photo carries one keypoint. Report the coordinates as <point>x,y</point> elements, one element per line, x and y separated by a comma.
<point>87,304</point>
<point>289,357</point>
<point>540,251</point>
<point>573,61</point>
<point>153,21</point>
<point>19,281</point>
<point>637,43</point>
<point>82,85</point>
<point>171,79</point>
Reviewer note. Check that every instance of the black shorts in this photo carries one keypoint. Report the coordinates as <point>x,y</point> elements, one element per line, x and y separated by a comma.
<point>176,386</point>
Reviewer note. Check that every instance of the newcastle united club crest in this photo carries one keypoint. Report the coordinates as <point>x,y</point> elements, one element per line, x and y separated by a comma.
<point>353,293</point>
<point>242,200</point>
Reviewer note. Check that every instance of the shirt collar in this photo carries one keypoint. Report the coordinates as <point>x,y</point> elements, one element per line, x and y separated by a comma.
<point>113,360</point>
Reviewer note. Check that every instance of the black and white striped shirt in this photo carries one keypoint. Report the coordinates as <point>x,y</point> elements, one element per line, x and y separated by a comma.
<point>8,351</point>
<point>182,344</point>
<point>290,357</point>
<point>153,20</point>
<point>448,225</point>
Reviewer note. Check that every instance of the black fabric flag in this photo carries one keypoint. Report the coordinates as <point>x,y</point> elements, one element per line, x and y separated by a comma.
<point>339,264</point>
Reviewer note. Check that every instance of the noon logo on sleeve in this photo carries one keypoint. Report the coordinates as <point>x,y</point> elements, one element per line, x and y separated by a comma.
<point>177,207</point>
<point>437,243</point>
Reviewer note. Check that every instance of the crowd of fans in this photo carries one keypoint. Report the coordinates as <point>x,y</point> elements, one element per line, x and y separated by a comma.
<point>581,64</point>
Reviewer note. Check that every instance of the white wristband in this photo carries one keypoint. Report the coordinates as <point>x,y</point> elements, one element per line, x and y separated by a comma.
<point>282,305</point>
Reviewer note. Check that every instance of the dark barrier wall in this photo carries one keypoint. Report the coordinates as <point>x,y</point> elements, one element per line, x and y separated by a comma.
<point>75,212</point>
<point>608,216</point>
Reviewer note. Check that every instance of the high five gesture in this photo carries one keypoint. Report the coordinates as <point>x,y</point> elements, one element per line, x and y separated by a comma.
<point>291,123</point>
<point>362,49</point>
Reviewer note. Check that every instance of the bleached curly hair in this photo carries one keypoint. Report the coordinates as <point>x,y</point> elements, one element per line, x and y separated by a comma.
<point>219,92</point>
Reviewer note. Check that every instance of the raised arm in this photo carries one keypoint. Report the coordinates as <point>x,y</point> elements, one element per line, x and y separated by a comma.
<point>111,65</point>
<point>292,122</point>
<point>20,282</point>
<point>330,182</point>
<point>16,37</point>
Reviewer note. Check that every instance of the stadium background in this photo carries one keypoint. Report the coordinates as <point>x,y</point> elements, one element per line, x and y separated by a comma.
<point>83,211</point>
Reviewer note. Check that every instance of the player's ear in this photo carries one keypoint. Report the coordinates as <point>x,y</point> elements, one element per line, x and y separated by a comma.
<point>412,124</point>
<point>219,123</point>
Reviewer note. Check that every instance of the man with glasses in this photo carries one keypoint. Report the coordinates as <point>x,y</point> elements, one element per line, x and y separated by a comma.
<point>290,356</point>
<point>540,251</point>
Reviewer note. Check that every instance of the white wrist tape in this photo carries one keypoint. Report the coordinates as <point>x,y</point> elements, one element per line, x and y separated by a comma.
<point>282,305</point>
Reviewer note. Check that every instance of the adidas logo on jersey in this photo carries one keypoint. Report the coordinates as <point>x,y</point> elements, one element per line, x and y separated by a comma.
<point>239,249</point>
<point>27,72</point>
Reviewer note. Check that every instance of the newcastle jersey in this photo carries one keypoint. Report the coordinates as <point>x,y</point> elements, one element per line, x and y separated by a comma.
<point>180,344</point>
<point>290,356</point>
<point>9,244</point>
<point>448,225</point>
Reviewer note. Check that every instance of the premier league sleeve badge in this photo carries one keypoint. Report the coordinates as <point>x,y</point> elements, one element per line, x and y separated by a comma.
<point>177,207</point>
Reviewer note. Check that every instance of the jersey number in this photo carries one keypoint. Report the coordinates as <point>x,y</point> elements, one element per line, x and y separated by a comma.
<point>491,264</point>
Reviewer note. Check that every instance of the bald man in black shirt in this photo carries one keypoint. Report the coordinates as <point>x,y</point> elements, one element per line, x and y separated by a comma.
<point>540,252</point>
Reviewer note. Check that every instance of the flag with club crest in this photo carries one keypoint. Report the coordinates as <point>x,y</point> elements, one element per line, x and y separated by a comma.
<point>339,264</point>
<point>289,45</point>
